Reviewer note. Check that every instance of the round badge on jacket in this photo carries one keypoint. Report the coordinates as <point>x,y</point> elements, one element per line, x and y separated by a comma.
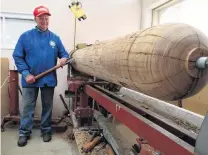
<point>52,44</point>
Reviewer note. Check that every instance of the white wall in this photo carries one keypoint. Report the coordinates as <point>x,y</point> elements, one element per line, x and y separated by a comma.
<point>106,19</point>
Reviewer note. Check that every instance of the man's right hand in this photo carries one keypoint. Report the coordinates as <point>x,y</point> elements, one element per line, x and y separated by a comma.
<point>30,79</point>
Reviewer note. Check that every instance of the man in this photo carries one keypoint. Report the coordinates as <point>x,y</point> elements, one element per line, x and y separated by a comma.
<point>36,51</point>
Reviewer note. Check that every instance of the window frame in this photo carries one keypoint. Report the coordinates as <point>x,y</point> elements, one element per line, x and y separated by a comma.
<point>12,15</point>
<point>158,6</point>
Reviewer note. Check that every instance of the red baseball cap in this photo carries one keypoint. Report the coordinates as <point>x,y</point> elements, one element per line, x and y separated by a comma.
<point>40,11</point>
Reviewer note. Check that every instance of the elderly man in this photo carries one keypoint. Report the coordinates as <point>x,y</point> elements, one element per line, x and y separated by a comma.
<point>36,51</point>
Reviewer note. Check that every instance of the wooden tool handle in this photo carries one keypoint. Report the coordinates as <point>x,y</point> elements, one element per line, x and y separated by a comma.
<point>109,150</point>
<point>48,71</point>
<point>94,134</point>
<point>89,146</point>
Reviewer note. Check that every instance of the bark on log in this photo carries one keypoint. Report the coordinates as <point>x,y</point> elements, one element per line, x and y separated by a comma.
<point>158,61</point>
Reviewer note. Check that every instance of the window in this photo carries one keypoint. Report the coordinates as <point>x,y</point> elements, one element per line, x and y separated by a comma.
<point>192,12</point>
<point>12,26</point>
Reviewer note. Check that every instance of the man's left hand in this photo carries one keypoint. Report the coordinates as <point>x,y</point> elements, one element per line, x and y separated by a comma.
<point>62,61</point>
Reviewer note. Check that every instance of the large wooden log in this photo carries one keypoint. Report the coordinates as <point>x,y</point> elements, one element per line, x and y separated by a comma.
<point>159,61</point>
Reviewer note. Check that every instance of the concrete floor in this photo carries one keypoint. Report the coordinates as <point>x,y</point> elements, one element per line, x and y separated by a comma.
<point>57,146</point>
<point>35,146</point>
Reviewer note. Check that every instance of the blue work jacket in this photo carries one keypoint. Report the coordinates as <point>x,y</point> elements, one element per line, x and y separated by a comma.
<point>37,51</point>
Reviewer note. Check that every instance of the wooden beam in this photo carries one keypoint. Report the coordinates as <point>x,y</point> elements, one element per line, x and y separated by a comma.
<point>159,61</point>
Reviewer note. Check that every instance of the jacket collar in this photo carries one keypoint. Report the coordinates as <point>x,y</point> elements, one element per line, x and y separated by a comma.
<point>38,29</point>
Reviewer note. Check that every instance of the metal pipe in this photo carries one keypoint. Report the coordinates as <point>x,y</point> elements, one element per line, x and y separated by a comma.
<point>75,121</point>
<point>64,103</point>
<point>83,100</point>
<point>202,62</point>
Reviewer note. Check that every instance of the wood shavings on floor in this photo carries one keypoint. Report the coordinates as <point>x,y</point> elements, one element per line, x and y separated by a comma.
<point>82,138</point>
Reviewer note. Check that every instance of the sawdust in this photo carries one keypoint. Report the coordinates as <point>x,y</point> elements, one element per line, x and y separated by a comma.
<point>182,123</point>
<point>82,138</point>
<point>186,125</point>
<point>68,134</point>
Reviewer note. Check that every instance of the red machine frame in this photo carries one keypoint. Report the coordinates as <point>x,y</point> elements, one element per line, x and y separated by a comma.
<point>150,139</point>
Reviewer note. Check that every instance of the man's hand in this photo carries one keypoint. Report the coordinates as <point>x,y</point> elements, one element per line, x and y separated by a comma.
<point>62,61</point>
<point>30,79</point>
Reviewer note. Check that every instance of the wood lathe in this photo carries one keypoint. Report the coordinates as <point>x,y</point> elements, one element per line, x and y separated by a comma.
<point>159,61</point>
<point>167,62</point>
